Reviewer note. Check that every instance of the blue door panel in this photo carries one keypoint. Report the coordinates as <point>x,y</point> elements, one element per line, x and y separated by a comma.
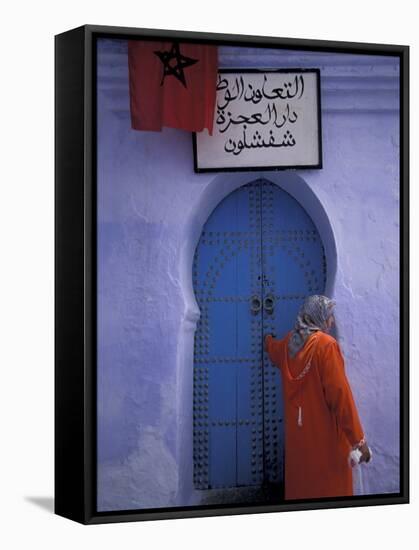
<point>248,459</point>
<point>286,308</point>
<point>245,270</point>
<point>245,346</point>
<point>223,337</point>
<point>243,388</point>
<point>223,453</point>
<point>291,217</point>
<point>290,280</point>
<point>222,276</point>
<point>222,383</point>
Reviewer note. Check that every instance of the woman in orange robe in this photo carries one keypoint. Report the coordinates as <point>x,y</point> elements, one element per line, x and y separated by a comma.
<point>322,425</point>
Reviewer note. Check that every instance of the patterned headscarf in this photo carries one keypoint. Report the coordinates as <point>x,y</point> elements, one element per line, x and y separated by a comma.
<point>313,316</point>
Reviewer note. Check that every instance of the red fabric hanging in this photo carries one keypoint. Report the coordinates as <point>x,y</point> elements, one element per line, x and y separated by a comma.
<point>172,84</point>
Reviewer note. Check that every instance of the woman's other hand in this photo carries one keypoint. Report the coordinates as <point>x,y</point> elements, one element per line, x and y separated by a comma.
<point>366,453</point>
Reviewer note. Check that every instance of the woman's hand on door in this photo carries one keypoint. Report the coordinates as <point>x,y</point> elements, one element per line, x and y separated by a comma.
<point>266,340</point>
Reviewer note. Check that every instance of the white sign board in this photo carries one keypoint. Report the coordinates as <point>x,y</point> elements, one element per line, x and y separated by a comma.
<point>263,120</point>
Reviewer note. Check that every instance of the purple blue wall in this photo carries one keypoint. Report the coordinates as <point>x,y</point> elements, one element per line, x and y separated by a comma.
<point>151,208</point>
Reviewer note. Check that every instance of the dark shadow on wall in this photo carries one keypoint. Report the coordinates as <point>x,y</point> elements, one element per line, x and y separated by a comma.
<point>46,503</point>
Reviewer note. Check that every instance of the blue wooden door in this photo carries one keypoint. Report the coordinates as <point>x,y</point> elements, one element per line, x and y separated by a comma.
<point>259,255</point>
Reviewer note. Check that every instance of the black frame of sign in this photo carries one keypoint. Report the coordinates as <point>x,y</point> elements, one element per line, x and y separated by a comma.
<point>75,273</point>
<point>270,167</point>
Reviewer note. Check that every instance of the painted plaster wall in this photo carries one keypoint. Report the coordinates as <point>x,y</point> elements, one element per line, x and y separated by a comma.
<point>151,207</point>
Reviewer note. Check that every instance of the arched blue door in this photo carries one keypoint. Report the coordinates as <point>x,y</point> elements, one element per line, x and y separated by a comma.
<point>259,255</point>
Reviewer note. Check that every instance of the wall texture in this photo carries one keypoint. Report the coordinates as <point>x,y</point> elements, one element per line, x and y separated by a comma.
<point>151,208</point>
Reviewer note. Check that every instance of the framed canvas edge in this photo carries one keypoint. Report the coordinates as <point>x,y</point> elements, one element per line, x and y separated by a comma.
<point>69,368</point>
<point>224,510</point>
<point>368,48</point>
<point>85,443</point>
<point>404,290</point>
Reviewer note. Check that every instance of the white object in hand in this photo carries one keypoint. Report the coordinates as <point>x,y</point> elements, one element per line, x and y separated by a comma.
<point>354,457</point>
<point>354,461</point>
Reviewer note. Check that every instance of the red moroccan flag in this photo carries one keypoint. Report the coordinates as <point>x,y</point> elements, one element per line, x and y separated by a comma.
<point>172,84</point>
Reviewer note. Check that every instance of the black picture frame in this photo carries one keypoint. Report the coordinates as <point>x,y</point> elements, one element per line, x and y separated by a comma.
<point>75,269</point>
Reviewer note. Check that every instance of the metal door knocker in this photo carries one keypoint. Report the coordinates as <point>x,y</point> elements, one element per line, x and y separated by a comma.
<point>268,304</point>
<point>255,304</point>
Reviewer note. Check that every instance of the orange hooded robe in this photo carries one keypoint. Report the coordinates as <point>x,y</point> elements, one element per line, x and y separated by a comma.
<point>321,421</point>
